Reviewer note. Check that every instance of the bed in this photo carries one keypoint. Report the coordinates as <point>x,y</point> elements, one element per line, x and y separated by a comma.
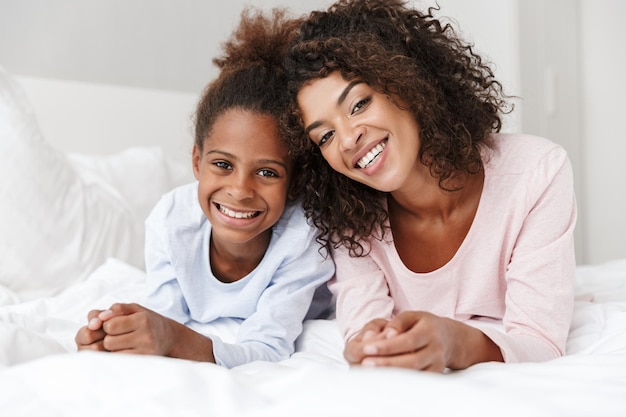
<point>71,236</point>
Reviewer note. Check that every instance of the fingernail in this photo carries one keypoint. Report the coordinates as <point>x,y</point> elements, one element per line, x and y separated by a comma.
<point>390,332</point>
<point>105,314</point>
<point>368,335</point>
<point>368,363</point>
<point>370,350</point>
<point>94,323</point>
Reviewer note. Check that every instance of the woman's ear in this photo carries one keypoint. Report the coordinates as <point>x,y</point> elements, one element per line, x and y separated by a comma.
<point>195,161</point>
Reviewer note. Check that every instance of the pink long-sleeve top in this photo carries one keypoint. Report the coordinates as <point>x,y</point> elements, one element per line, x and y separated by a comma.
<point>513,275</point>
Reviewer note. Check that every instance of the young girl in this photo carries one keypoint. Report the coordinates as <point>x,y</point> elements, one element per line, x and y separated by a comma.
<point>235,243</point>
<point>453,243</point>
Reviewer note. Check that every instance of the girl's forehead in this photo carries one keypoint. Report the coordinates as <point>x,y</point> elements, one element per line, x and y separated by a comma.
<point>240,132</point>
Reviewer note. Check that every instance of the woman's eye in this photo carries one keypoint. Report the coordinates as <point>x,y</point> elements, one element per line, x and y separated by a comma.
<point>361,104</point>
<point>267,173</point>
<point>326,137</point>
<point>222,165</point>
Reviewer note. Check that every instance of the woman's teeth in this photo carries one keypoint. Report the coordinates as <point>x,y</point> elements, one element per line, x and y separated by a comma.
<point>371,156</point>
<point>237,214</point>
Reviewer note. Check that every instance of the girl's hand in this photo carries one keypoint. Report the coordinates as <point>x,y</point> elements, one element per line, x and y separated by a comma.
<point>131,328</point>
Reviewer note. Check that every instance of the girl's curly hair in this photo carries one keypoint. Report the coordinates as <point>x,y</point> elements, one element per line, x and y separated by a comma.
<point>252,75</point>
<point>413,57</point>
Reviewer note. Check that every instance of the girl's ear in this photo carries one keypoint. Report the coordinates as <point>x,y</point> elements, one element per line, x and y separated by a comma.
<point>292,194</point>
<point>195,161</point>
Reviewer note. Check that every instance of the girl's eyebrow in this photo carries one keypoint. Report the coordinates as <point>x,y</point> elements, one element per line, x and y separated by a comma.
<point>229,155</point>
<point>340,100</point>
<point>234,157</point>
<point>273,161</point>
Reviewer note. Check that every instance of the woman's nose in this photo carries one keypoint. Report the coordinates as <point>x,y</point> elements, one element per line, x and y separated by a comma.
<point>349,136</point>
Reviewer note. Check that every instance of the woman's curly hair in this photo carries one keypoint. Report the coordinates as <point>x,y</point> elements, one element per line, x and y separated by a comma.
<point>408,55</point>
<point>252,75</point>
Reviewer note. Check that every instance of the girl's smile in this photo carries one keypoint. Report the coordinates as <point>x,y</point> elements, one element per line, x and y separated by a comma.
<point>236,214</point>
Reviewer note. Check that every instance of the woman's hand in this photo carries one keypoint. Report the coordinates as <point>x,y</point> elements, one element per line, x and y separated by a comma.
<point>420,340</point>
<point>91,336</point>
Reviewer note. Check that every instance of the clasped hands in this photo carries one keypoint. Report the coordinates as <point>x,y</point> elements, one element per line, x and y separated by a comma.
<point>412,339</point>
<point>126,328</point>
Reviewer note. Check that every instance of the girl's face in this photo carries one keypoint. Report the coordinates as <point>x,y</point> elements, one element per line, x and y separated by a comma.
<point>243,172</point>
<point>362,134</point>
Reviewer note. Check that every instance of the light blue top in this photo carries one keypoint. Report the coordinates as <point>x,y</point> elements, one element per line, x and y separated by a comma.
<point>271,301</point>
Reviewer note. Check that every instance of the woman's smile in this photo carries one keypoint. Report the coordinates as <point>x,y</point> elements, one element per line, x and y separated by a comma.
<point>371,156</point>
<point>361,133</point>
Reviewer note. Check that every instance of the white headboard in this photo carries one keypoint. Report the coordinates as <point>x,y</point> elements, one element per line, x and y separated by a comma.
<point>103,119</point>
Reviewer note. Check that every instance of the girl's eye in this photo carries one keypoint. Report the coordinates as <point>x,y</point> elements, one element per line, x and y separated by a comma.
<point>326,137</point>
<point>222,165</point>
<point>361,104</point>
<point>268,173</point>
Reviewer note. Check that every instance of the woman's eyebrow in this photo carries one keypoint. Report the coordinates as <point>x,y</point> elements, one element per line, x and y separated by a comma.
<point>346,91</point>
<point>311,127</point>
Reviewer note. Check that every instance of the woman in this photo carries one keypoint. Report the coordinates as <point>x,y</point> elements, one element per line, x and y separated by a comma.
<point>453,243</point>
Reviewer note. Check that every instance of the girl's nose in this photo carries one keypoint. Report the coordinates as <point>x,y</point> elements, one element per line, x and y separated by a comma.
<point>241,187</point>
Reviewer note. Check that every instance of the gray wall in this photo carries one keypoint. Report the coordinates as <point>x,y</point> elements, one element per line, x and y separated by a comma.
<point>163,44</point>
<point>169,44</point>
<point>564,58</point>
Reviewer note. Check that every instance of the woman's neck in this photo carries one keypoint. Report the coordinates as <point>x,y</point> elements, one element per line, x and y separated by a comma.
<point>424,198</point>
<point>430,224</point>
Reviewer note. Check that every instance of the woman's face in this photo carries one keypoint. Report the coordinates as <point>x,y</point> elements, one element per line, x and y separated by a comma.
<point>243,171</point>
<point>362,134</point>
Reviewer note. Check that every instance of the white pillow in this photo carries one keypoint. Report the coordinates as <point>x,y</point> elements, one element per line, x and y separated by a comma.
<point>141,175</point>
<point>55,227</point>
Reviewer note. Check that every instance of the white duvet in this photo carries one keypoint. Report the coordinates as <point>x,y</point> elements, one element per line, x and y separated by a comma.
<point>44,376</point>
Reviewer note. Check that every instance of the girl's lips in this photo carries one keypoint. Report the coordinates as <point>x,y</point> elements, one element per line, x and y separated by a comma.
<point>237,214</point>
<point>367,155</point>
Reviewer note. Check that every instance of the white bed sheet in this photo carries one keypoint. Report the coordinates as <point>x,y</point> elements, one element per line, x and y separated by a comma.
<point>43,375</point>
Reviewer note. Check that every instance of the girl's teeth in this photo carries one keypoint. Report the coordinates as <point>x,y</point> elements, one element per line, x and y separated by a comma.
<point>237,214</point>
<point>371,156</point>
